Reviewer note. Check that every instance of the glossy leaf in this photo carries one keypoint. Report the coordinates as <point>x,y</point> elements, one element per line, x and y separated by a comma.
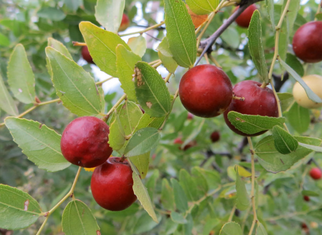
<point>40,144</point>
<point>231,228</point>
<point>255,45</point>
<point>180,32</point>
<point>18,209</point>
<point>138,45</point>
<point>21,79</point>
<point>143,195</point>
<point>284,142</point>
<point>312,96</point>
<point>142,142</point>
<point>283,40</point>
<point>125,64</point>
<point>180,197</point>
<point>74,86</point>
<point>202,7</point>
<point>59,47</point>
<point>151,91</point>
<point>166,55</point>
<point>142,163</point>
<point>78,219</point>
<point>102,46</point>
<point>109,13</point>
<point>6,102</point>
<point>274,161</point>
<point>251,124</point>
<point>148,121</point>
<point>242,198</point>
<point>299,118</point>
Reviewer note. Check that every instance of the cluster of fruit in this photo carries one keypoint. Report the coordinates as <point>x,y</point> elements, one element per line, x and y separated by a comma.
<point>85,143</point>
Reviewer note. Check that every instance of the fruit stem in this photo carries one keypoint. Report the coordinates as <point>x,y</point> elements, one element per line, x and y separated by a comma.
<point>70,193</point>
<point>232,214</point>
<point>252,194</point>
<point>105,80</point>
<point>166,118</point>
<point>167,77</point>
<point>214,61</point>
<point>156,64</point>
<point>319,9</point>
<point>79,44</point>
<point>145,30</point>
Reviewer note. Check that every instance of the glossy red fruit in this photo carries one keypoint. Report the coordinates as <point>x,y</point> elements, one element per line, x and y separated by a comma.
<point>205,91</point>
<point>244,19</point>
<point>125,23</point>
<point>215,136</point>
<point>111,185</point>
<point>257,101</point>
<point>315,173</point>
<point>307,42</point>
<point>306,198</point>
<point>190,116</point>
<point>85,142</point>
<point>86,56</point>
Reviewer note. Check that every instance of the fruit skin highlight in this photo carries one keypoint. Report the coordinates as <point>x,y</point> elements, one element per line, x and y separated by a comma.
<point>86,56</point>
<point>111,185</point>
<point>307,42</point>
<point>205,91</point>
<point>85,142</point>
<point>257,101</point>
<point>300,96</point>
<point>315,173</point>
<point>244,19</point>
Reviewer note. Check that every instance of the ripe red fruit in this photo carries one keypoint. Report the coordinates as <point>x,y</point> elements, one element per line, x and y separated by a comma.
<point>205,91</point>
<point>86,56</point>
<point>178,141</point>
<point>215,136</point>
<point>187,146</point>
<point>244,19</point>
<point>307,42</point>
<point>190,116</point>
<point>112,183</point>
<point>125,23</point>
<point>85,142</point>
<point>258,101</point>
<point>306,198</point>
<point>315,173</point>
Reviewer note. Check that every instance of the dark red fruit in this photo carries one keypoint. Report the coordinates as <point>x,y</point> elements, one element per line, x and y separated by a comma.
<point>187,146</point>
<point>307,42</point>
<point>215,136</point>
<point>86,56</point>
<point>125,23</point>
<point>315,173</point>
<point>244,19</point>
<point>257,101</point>
<point>205,91</point>
<point>85,142</point>
<point>112,183</point>
<point>306,198</point>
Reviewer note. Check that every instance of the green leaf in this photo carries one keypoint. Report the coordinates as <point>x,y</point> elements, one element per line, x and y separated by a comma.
<point>251,124</point>
<point>299,118</point>
<point>230,36</point>
<point>148,121</point>
<point>78,219</point>
<point>274,161</point>
<point>151,182</point>
<point>142,142</point>
<point>21,79</point>
<point>167,195</point>
<point>311,147</point>
<point>168,62</point>
<point>231,228</point>
<point>18,209</point>
<point>242,198</point>
<point>40,144</point>
<point>144,224</point>
<point>270,10</point>
<point>51,13</point>
<point>312,96</point>
<point>151,91</point>
<point>180,197</point>
<point>109,13</point>
<point>4,40</point>
<point>319,16</point>
<point>189,185</point>
<point>178,218</point>
<point>180,33</point>
<point>284,142</point>
<point>202,7</point>
<point>6,102</point>
<point>286,100</point>
<point>142,163</point>
<point>310,193</point>
<point>295,64</point>
<point>58,46</point>
<point>125,64</point>
<point>73,4</point>
<point>260,230</point>
<point>138,45</point>
<point>201,181</point>
<point>283,40</point>
<point>74,86</point>
<point>255,45</point>
<point>292,12</point>
<point>143,195</point>
<point>102,46</point>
